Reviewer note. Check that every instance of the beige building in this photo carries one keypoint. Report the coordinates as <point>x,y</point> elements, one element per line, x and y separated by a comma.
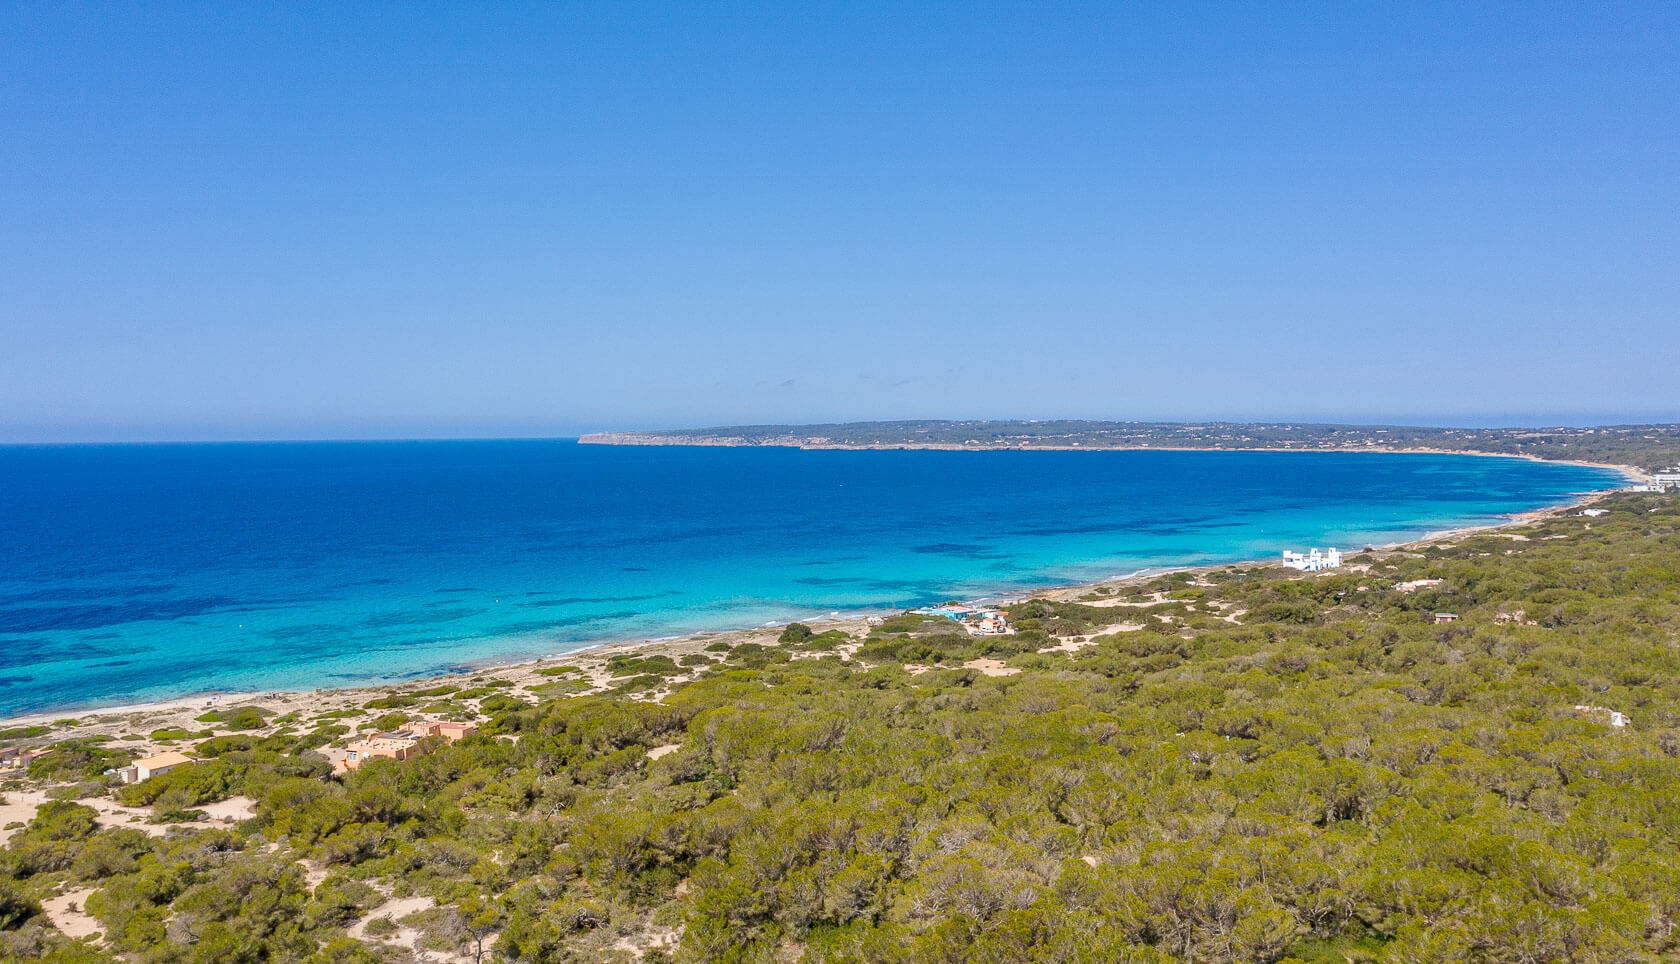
<point>404,743</point>
<point>452,732</point>
<point>157,766</point>
<point>16,757</point>
<point>390,746</point>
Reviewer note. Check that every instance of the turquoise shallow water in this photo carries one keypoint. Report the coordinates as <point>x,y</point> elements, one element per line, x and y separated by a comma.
<point>144,572</point>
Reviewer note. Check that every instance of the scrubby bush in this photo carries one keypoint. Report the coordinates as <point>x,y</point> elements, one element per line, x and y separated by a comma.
<point>237,718</point>
<point>1336,779</point>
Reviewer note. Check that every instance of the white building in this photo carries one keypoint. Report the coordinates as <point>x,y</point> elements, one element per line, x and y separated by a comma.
<point>1663,481</point>
<point>1616,718</point>
<point>157,766</point>
<point>1313,561</point>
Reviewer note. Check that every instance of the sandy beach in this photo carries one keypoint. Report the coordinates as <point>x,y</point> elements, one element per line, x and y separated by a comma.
<point>131,727</point>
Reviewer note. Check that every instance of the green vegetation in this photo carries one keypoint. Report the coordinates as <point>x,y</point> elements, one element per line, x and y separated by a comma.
<point>237,717</point>
<point>1649,447</point>
<point>170,735</point>
<point>631,664</point>
<point>394,701</point>
<point>1277,767</point>
<point>24,732</point>
<point>563,687</point>
<point>77,759</point>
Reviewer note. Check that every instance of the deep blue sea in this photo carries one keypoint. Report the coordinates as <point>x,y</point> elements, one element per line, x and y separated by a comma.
<point>143,572</point>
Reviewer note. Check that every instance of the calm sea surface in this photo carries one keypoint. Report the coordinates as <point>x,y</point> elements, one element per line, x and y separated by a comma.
<point>144,572</point>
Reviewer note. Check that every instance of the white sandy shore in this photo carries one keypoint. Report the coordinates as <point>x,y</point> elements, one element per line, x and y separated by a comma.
<point>134,720</point>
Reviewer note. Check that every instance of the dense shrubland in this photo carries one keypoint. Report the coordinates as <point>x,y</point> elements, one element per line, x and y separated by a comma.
<point>1273,767</point>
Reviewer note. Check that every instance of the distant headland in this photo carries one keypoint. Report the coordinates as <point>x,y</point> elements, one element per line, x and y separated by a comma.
<point>1648,448</point>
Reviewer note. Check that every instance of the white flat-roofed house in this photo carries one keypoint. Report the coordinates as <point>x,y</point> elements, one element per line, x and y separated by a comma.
<point>1313,561</point>
<point>1663,481</point>
<point>157,766</point>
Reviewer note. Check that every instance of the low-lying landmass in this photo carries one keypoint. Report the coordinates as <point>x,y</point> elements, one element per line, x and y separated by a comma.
<point>1460,750</point>
<point>1646,447</point>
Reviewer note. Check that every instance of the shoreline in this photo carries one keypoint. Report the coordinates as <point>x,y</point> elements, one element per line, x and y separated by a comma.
<point>592,657</point>
<point>1633,473</point>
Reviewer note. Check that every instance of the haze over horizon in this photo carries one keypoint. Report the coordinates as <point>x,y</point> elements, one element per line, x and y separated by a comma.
<point>541,220</point>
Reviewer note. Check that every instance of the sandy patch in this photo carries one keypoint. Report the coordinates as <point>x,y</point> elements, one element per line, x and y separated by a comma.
<point>396,910</point>
<point>313,874</point>
<point>658,938</point>
<point>665,750</point>
<point>1155,599</point>
<point>231,810</point>
<point>991,667</point>
<point>20,807</point>
<point>72,923</point>
<point>1073,645</point>
<point>114,814</point>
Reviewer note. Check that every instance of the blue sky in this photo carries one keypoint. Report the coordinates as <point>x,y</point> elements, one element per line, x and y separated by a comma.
<point>236,221</point>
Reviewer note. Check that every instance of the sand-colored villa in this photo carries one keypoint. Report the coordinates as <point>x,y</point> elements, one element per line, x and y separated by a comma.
<point>404,743</point>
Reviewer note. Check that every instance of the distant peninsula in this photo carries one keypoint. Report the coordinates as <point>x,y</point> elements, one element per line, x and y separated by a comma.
<point>1648,448</point>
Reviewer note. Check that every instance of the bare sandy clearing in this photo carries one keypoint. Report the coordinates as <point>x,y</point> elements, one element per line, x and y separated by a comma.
<point>231,810</point>
<point>395,909</point>
<point>19,807</point>
<point>72,923</point>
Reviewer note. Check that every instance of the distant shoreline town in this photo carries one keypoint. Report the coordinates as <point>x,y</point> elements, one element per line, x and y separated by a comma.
<point>1644,449</point>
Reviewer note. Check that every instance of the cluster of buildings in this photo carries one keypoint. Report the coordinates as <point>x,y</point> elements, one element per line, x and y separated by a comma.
<point>1667,480</point>
<point>16,758</point>
<point>404,743</point>
<point>1313,561</point>
<point>976,622</point>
